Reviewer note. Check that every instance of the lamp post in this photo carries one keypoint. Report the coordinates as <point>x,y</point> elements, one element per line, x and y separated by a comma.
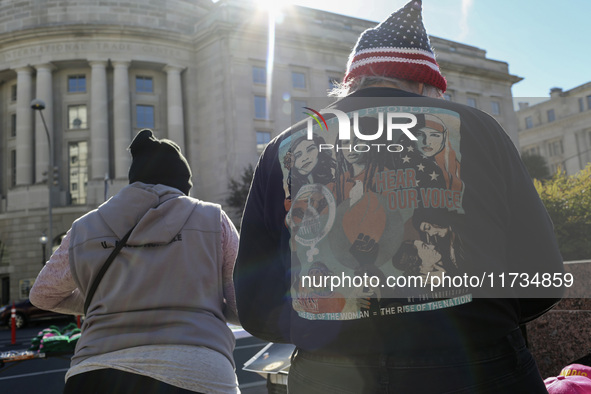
<point>43,242</point>
<point>39,105</point>
<point>106,186</point>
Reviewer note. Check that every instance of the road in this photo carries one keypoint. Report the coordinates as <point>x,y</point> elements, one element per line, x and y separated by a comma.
<point>47,375</point>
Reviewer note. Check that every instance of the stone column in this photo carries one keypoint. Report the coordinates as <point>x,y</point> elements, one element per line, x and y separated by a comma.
<point>99,127</point>
<point>44,92</point>
<point>24,126</point>
<point>121,119</point>
<point>571,154</point>
<point>176,126</point>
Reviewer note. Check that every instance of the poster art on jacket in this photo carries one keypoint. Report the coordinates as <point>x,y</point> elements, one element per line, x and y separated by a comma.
<point>381,209</point>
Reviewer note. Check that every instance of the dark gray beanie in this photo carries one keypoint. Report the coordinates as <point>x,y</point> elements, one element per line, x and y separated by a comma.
<point>158,162</point>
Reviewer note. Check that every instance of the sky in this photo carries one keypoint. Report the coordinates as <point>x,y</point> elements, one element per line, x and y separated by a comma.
<point>546,42</point>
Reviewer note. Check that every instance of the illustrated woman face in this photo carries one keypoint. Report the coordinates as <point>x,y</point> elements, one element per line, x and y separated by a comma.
<point>427,253</point>
<point>433,230</point>
<point>430,142</point>
<point>349,153</point>
<point>306,157</point>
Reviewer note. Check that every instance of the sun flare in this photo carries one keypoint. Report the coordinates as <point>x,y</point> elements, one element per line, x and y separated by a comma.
<point>271,5</point>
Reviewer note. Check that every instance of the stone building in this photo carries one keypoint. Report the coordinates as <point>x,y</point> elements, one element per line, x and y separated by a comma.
<point>198,72</point>
<point>559,129</point>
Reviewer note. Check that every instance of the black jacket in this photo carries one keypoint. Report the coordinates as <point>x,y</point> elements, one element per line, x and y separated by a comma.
<point>463,195</point>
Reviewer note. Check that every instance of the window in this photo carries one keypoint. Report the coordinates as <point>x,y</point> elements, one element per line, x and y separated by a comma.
<point>77,117</point>
<point>298,110</point>
<point>471,102</point>
<point>263,138</point>
<point>588,102</point>
<point>581,105</point>
<point>77,84</point>
<point>144,116</point>
<point>298,80</point>
<point>551,115</point>
<point>259,75</point>
<point>529,123</point>
<point>535,150</point>
<point>13,125</point>
<point>260,107</point>
<point>495,107</point>
<point>555,148</point>
<point>13,94</point>
<point>78,172</point>
<point>144,84</point>
<point>13,168</point>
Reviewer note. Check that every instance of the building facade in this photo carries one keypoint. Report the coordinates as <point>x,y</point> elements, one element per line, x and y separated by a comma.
<point>559,129</point>
<point>217,78</point>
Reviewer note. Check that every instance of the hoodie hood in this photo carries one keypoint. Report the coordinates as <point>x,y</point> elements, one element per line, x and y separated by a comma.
<point>157,211</point>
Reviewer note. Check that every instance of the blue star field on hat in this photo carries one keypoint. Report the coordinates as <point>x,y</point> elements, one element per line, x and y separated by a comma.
<point>399,48</point>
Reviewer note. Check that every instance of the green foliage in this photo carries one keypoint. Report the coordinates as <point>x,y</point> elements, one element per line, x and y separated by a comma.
<point>536,166</point>
<point>568,201</point>
<point>239,189</point>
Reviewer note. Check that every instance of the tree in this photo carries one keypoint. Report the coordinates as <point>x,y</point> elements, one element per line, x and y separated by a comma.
<point>568,201</point>
<point>536,166</point>
<point>239,190</point>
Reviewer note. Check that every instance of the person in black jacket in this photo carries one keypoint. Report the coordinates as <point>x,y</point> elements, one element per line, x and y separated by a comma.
<point>367,327</point>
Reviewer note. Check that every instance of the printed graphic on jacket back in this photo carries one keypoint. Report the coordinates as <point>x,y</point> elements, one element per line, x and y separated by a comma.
<point>371,196</point>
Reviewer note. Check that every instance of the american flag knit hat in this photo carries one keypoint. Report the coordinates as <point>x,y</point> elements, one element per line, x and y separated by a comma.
<point>398,48</point>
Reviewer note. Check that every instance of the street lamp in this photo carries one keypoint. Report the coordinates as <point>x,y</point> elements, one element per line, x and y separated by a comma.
<point>43,242</point>
<point>39,105</point>
<point>106,186</point>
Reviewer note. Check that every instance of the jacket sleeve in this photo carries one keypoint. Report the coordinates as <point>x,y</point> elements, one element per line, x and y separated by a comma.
<point>531,247</point>
<point>55,289</point>
<point>229,251</point>
<point>261,276</point>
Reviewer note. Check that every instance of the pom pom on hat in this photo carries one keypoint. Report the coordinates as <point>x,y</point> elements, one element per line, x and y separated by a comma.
<point>157,161</point>
<point>398,48</point>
